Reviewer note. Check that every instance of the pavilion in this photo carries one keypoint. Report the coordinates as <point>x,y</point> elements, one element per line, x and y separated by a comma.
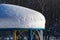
<point>15,18</point>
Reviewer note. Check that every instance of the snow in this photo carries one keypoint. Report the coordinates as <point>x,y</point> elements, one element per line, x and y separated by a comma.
<point>12,16</point>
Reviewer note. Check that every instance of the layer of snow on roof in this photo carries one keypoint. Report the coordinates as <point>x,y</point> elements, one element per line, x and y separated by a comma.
<point>12,16</point>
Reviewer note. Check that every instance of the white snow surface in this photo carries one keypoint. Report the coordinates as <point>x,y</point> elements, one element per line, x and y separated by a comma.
<point>12,16</point>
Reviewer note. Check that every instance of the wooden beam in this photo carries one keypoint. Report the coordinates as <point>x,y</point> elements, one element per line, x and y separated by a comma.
<point>14,35</point>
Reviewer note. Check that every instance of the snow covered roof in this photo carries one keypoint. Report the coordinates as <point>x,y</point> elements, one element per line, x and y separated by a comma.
<point>12,16</point>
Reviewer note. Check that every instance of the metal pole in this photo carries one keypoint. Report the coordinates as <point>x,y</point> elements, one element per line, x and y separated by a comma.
<point>41,34</point>
<point>30,34</point>
<point>14,35</point>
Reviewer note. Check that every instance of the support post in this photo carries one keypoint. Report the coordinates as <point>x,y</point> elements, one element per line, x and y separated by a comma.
<point>41,34</point>
<point>14,35</point>
<point>30,34</point>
